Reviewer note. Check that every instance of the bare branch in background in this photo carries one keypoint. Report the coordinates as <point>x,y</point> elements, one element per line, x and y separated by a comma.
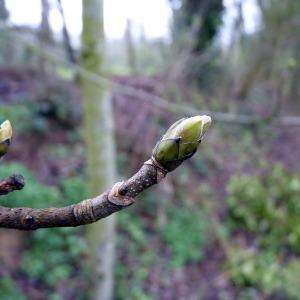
<point>67,41</point>
<point>160,102</point>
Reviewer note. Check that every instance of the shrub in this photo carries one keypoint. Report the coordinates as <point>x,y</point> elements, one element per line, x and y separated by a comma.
<point>265,210</point>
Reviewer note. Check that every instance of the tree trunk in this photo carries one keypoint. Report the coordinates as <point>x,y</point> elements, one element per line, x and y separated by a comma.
<point>45,34</point>
<point>130,48</point>
<point>100,148</point>
<point>45,29</point>
<point>67,41</point>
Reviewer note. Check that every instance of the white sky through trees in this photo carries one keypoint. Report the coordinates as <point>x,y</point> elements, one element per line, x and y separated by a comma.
<point>151,18</point>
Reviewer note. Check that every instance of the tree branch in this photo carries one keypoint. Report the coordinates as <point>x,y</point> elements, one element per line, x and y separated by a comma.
<point>121,195</point>
<point>178,144</point>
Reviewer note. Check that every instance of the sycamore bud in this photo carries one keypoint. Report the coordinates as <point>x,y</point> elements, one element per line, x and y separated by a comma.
<point>5,137</point>
<point>180,142</point>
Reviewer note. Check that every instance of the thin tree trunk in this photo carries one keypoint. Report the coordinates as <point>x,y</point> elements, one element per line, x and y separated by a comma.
<point>100,147</point>
<point>130,48</point>
<point>67,41</point>
<point>45,33</point>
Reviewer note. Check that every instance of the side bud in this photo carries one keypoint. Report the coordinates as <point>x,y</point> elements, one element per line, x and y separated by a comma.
<point>180,142</point>
<point>5,137</point>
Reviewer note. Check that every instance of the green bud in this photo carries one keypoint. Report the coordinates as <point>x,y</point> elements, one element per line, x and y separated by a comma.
<point>5,137</point>
<point>180,142</point>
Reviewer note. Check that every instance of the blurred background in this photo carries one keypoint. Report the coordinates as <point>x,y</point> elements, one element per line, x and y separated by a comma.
<point>225,225</point>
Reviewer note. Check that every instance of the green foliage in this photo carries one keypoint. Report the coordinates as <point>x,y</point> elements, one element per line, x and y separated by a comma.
<point>28,116</point>
<point>73,189</point>
<point>267,271</point>
<point>53,255</point>
<point>135,245</point>
<point>143,246</point>
<point>186,235</point>
<point>201,165</point>
<point>24,116</point>
<point>56,253</point>
<point>123,162</point>
<point>34,194</point>
<point>262,204</point>
<point>266,208</point>
<point>9,290</point>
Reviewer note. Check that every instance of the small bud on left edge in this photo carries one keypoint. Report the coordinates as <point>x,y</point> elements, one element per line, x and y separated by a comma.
<point>5,137</point>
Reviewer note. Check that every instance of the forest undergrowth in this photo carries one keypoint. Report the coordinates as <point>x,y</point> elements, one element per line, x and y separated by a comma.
<point>222,226</point>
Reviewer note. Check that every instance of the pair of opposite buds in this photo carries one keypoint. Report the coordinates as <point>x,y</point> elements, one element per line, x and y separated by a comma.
<point>5,137</point>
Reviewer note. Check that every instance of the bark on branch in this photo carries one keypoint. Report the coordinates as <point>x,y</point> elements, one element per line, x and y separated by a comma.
<point>121,195</point>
